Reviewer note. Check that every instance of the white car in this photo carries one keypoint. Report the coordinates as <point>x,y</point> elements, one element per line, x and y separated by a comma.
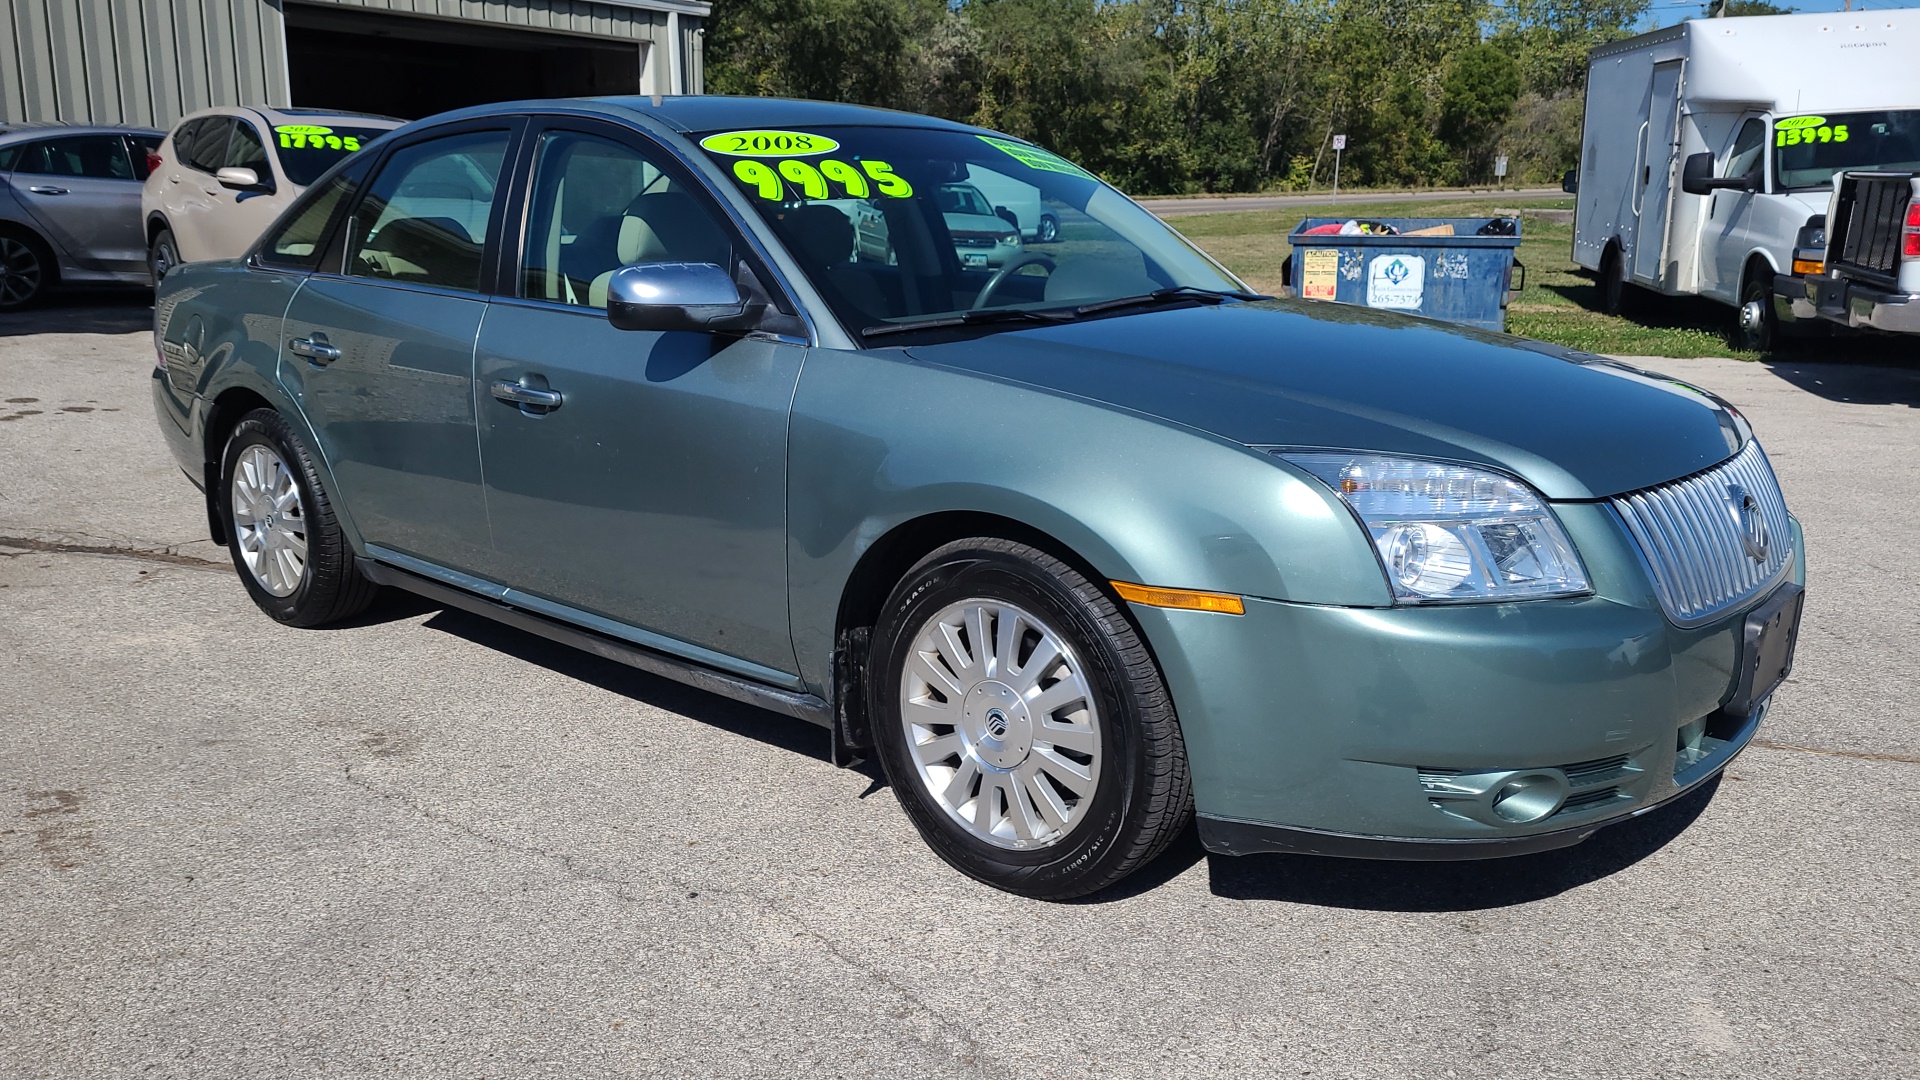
<point>224,174</point>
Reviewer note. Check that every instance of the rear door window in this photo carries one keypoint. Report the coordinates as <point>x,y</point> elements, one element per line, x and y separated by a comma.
<point>209,149</point>
<point>143,146</point>
<point>99,157</point>
<point>424,218</point>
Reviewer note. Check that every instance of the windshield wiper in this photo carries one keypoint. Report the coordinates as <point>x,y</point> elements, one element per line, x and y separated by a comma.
<point>971,318</point>
<point>1161,296</point>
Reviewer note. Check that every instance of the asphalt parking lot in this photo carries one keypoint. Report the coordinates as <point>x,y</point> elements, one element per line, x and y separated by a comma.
<point>425,845</point>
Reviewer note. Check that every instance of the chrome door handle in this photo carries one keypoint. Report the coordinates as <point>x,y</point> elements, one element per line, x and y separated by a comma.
<point>516,394</point>
<point>43,189</point>
<point>315,349</point>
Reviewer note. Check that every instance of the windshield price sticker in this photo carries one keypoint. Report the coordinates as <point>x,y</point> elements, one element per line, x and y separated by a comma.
<point>814,179</point>
<point>1035,158</point>
<point>1798,130</point>
<point>314,137</point>
<point>768,144</point>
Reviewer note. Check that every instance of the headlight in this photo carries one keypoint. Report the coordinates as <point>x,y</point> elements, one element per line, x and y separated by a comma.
<point>1448,532</point>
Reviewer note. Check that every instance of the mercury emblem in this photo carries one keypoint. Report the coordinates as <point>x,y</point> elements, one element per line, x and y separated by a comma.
<point>1754,536</point>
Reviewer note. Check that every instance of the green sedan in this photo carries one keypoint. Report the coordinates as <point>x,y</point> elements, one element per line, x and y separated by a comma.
<point>1080,547</point>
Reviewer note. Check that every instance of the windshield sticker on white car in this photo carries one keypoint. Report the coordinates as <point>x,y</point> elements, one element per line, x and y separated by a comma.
<point>1794,130</point>
<point>814,179</point>
<point>315,137</point>
<point>1035,158</point>
<point>768,144</point>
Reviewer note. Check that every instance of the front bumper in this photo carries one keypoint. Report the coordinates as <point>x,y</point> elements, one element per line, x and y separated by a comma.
<point>1381,732</point>
<point>1791,302</point>
<point>1864,306</point>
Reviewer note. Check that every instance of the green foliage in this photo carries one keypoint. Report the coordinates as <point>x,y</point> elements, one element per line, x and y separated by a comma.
<point>1195,95</point>
<point>1738,8</point>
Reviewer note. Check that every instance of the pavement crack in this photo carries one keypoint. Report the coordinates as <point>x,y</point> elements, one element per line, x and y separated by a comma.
<point>973,1052</point>
<point>24,545</point>
<point>1860,755</point>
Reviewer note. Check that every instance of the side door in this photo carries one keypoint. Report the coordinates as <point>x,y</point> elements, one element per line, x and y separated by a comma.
<point>83,192</point>
<point>236,218</point>
<point>377,346</point>
<point>1728,230</point>
<point>1654,233</point>
<point>654,495</point>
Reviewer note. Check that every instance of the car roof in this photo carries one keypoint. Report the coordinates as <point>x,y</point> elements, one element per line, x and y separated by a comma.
<point>712,112</point>
<point>13,133</point>
<point>275,117</point>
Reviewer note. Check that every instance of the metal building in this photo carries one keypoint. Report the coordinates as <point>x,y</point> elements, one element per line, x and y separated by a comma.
<point>152,61</point>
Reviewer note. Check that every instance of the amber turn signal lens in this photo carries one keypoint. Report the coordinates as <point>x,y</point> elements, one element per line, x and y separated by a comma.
<point>1808,268</point>
<point>1184,599</point>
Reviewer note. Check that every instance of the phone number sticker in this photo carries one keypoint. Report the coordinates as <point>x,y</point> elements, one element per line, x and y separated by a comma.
<point>814,180</point>
<point>768,144</point>
<point>1800,130</point>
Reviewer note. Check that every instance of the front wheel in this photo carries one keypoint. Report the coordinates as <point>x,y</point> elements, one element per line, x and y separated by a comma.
<point>285,542</point>
<point>1755,326</point>
<point>1022,722</point>
<point>1049,229</point>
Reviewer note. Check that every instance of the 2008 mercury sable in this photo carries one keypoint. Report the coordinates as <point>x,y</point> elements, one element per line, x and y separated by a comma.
<point>1078,546</point>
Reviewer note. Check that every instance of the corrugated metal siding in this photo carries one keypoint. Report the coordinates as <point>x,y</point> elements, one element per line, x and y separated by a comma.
<point>153,61</point>
<point>137,61</point>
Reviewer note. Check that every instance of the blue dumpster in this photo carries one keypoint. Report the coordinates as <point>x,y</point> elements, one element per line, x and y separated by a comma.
<point>1466,277</point>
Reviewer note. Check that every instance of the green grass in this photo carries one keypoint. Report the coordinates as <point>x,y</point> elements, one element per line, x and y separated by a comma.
<point>1558,304</point>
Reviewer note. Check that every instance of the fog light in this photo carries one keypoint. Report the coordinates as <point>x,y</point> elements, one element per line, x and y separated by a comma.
<point>1529,797</point>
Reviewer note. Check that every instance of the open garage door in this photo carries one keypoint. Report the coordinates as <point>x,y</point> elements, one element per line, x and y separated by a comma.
<point>410,67</point>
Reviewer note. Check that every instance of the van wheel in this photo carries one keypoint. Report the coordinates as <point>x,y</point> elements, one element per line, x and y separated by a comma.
<point>26,269</point>
<point>1049,229</point>
<point>1756,328</point>
<point>285,542</point>
<point>1613,281</point>
<point>163,255</point>
<point>1022,722</point>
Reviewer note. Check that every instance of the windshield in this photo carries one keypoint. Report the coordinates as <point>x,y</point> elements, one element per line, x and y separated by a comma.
<point>865,211</point>
<point>307,150</point>
<point>1808,150</point>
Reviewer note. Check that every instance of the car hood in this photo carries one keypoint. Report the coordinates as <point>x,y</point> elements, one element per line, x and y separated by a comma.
<point>1309,374</point>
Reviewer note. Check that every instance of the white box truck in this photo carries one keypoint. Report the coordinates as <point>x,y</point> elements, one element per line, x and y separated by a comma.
<point>1709,149</point>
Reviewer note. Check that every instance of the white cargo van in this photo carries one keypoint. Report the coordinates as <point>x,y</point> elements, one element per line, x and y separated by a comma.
<point>1709,146</point>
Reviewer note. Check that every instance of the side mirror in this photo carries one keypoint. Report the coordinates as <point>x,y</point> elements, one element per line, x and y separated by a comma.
<point>677,296</point>
<point>1007,215</point>
<point>1696,177</point>
<point>239,178</point>
<point>1570,181</point>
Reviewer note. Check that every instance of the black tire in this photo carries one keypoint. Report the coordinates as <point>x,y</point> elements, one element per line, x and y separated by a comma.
<point>1049,229</point>
<point>1613,281</point>
<point>162,255</point>
<point>27,270</point>
<point>1755,326</point>
<point>1142,797</point>
<point>330,586</point>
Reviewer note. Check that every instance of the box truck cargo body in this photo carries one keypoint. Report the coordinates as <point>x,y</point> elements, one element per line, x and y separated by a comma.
<point>1709,146</point>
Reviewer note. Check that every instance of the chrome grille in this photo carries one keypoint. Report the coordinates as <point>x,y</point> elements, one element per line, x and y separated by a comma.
<point>1692,538</point>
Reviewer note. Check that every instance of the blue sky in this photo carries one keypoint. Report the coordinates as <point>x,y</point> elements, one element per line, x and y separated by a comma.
<point>1668,12</point>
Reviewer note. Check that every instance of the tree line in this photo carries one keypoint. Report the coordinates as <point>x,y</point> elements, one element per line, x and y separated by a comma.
<point>1204,95</point>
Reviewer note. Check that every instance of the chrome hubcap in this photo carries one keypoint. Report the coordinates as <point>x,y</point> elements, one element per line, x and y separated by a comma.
<point>19,272</point>
<point>1752,318</point>
<point>269,521</point>
<point>1001,723</point>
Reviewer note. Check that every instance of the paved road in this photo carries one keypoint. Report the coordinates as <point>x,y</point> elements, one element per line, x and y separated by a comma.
<point>427,846</point>
<point>1177,206</point>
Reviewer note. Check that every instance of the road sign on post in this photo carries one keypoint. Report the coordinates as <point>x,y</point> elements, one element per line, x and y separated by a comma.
<point>1339,144</point>
<point>1500,168</point>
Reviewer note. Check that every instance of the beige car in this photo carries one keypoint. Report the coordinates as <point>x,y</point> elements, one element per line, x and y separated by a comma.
<point>224,174</point>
